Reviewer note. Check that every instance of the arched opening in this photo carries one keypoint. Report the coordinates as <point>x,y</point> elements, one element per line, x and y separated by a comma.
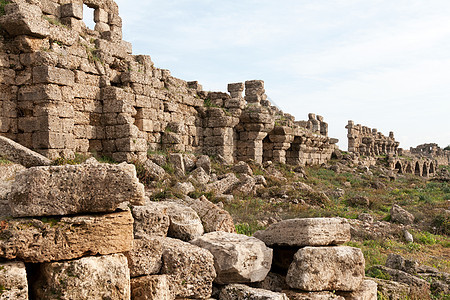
<point>398,167</point>
<point>293,153</point>
<point>431,168</point>
<point>409,169</point>
<point>417,169</point>
<point>425,170</point>
<point>267,149</point>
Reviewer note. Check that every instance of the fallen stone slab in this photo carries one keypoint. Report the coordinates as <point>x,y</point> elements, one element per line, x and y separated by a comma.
<point>19,154</point>
<point>237,258</point>
<point>223,185</point>
<point>366,291</point>
<point>243,292</point>
<point>184,223</point>
<point>306,232</point>
<point>153,287</point>
<point>7,176</point>
<point>146,257</point>
<point>317,269</point>
<point>190,268</point>
<point>400,215</point>
<point>13,281</point>
<point>392,290</point>
<point>49,239</point>
<point>213,217</point>
<point>420,289</point>
<point>299,295</point>
<point>74,189</point>
<point>154,171</point>
<point>103,277</point>
<point>150,220</point>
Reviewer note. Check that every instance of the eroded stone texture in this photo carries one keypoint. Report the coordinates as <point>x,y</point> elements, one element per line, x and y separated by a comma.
<point>33,240</point>
<point>224,184</point>
<point>7,175</point>
<point>401,216</point>
<point>213,217</point>
<point>146,257</point>
<point>103,277</point>
<point>65,190</point>
<point>366,291</point>
<point>392,290</point>
<point>21,155</point>
<point>237,258</point>
<point>298,295</point>
<point>150,220</point>
<point>326,269</point>
<point>13,281</point>
<point>306,232</point>
<point>243,292</point>
<point>154,287</point>
<point>184,224</point>
<point>190,268</point>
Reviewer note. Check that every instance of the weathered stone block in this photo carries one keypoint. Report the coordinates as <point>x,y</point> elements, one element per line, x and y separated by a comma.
<point>35,241</point>
<point>48,74</point>
<point>150,220</point>
<point>224,184</point>
<point>72,10</point>
<point>326,268</point>
<point>243,292</point>
<point>65,190</point>
<point>146,256</point>
<point>22,18</point>
<point>306,232</point>
<point>213,217</point>
<point>13,281</point>
<point>191,269</point>
<point>392,290</point>
<point>104,277</point>
<point>237,258</point>
<point>155,287</point>
<point>366,291</point>
<point>19,154</point>
<point>299,295</point>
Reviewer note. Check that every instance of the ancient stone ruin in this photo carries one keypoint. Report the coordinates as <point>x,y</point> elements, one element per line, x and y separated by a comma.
<point>67,89</point>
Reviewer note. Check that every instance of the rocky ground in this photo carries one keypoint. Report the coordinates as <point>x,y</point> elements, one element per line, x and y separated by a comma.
<point>194,227</point>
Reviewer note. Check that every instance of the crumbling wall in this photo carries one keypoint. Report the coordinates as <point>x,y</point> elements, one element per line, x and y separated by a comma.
<point>432,151</point>
<point>67,89</point>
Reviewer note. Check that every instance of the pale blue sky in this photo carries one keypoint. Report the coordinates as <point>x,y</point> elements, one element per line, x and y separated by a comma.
<point>381,63</point>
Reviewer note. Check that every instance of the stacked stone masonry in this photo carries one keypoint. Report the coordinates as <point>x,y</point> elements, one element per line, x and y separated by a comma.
<point>420,161</point>
<point>67,89</point>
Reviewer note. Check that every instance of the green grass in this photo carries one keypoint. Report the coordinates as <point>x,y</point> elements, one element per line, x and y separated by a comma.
<point>3,3</point>
<point>53,21</point>
<point>248,229</point>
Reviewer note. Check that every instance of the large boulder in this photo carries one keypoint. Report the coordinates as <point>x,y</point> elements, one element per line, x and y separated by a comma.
<point>237,258</point>
<point>21,155</point>
<point>190,268</point>
<point>401,216</point>
<point>213,217</point>
<point>243,292</point>
<point>103,277</point>
<point>153,287</point>
<point>150,220</point>
<point>306,232</point>
<point>326,269</point>
<point>366,291</point>
<point>184,223</point>
<point>13,281</point>
<point>146,257</point>
<point>75,189</point>
<point>33,240</point>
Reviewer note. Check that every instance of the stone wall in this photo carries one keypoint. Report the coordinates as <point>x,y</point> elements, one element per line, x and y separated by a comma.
<point>67,89</point>
<point>432,151</point>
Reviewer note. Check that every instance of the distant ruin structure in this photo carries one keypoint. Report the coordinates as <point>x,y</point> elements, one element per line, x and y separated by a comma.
<point>67,89</point>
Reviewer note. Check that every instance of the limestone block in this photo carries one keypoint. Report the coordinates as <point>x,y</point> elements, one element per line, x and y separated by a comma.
<point>326,268</point>
<point>243,168</point>
<point>24,19</point>
<point>213,217</point>
<point>223,185</point>
<point>199,176</point>
<point>21,155</point>
<point>72,10</point>
<point>73,189</point>
<point>401,216</point>
<point>183,188</point>
<point>176,159</point>
<point>204,162</point>
<point>103,277</point>
<point>146,256</point>
<point>48,74</point>
<point>420,289</point>
<point>101,15</point>
<point>13,281</point>
<point>299,295</point>
<point>185,224</point>
<point>154,287</point>
<point>33,240</point>
<point>245,185</point>
<point>237,258</point>
<point>392,290</point>
<point>190,269</point>
<point>273,282</point>
<point>366,291</point>
<point>150,220</point>
<point>306,232</point>
<point>243,292</point>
